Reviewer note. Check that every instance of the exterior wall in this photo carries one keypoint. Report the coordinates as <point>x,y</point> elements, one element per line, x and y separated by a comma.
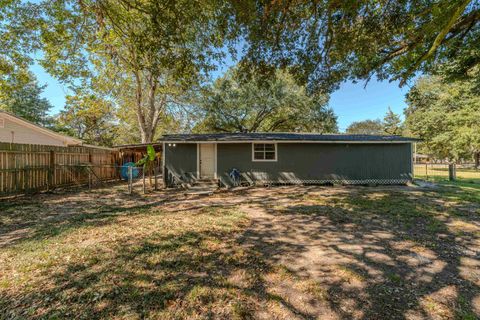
<point>180,162</point>
<point>307,163</point>
<point>25,135</point>
<point>316,163</point>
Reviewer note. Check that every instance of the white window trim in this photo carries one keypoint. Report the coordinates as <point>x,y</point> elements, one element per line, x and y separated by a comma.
<point>264,160</point>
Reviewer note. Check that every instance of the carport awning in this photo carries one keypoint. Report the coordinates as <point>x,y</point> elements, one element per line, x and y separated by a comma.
<point>139,147</point>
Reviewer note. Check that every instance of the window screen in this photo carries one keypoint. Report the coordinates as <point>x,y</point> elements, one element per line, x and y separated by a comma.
<point>264,152</point>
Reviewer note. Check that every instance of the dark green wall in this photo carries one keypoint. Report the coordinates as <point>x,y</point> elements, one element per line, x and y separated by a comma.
<point>181,161</point>
<point>302,162</point>
<point>310,162</point>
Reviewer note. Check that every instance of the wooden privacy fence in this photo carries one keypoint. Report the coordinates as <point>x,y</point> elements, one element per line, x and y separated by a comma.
<point>31,168</point>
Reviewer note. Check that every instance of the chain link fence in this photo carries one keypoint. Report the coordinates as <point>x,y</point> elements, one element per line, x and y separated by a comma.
<point>440,171</point>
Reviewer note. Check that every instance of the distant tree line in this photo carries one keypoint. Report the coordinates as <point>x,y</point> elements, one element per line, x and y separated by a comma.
<point>390,125</point>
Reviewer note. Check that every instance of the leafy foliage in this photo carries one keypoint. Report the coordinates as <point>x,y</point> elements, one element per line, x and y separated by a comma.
<point>143,53</point>
<point>325,42</point>
<point>90,118</point>
<point>21,95</point>
<point>390,125</point>
<point>366,127</point>
<point>445,115</point>
<point>16,31</point>
<point>237,104</point>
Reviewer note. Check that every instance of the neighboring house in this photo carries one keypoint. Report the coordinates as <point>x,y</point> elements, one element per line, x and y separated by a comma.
<point>288,158</point>
<point>15,129</point>
<point>421,158</point>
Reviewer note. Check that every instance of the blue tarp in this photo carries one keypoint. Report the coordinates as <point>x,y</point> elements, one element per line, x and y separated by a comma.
<point>124,171</point>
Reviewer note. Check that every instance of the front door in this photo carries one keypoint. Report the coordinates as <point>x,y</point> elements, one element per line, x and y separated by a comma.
<point>207,160</point>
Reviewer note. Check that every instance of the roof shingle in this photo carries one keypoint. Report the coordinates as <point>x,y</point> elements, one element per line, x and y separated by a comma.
<point>282,136</point>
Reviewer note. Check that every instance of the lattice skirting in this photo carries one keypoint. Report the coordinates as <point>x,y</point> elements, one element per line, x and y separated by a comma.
<point>335,181</point>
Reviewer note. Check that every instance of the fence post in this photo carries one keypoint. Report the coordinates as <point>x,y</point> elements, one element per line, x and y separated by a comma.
<point>452,174</point>
<point>130,179</point>
<point>15,182</point>
<point>426,170</point>
<point>26,180</point>
<point>155,172</point>
<point>51,170</point>
<point>89,179</point>
<point>143,177</point>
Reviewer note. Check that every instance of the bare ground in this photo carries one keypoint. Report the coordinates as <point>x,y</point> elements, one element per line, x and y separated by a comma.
<point>262,253</point>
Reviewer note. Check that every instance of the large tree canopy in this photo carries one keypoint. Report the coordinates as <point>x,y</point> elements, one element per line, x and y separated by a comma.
<point>142,53</point>
<point>90,118</point>
<point>277,103</point>
<point>328,41</point>
<point>445,115</point>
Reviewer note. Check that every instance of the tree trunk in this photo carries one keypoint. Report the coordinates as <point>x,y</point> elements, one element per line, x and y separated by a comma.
<point>148,113</point>
<point>477,159</point>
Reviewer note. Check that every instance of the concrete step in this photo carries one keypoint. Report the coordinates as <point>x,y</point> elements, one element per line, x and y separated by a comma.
<point>200,191</point>
<point>207,180</point>
<point>206,183</point>
<point>203,188</point>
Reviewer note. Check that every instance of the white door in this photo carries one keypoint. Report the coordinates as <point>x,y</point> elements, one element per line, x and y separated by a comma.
<point>207,160</point>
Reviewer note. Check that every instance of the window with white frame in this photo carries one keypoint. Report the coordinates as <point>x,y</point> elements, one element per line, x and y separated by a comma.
<point>264,152</point>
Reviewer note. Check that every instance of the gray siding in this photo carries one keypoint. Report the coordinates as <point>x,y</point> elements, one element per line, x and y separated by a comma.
<point>318,163</point>
<point>180,161</point>
<point>350,163</point>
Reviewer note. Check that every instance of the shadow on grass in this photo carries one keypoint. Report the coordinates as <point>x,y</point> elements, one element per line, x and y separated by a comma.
<point>165,276</point>
<point>377,254</point>
<point>398,246</point>
<point>41,220</point>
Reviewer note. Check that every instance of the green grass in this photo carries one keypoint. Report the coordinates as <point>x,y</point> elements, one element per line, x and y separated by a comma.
<point>129,265</point>
<point>460,190</point>
<point>104,261</point>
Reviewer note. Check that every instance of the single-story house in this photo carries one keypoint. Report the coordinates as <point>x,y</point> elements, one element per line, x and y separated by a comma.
<point>288,158</point>
<point>14,129</point>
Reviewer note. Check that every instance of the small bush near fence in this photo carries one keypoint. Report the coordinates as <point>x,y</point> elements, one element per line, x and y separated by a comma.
<point>439,171</point>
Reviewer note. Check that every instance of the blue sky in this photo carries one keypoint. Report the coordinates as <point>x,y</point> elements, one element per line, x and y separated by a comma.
<point>352,102</point>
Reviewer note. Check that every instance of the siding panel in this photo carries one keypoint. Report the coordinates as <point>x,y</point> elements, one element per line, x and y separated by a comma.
<point>299,162</point>
<point>180,162</point>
